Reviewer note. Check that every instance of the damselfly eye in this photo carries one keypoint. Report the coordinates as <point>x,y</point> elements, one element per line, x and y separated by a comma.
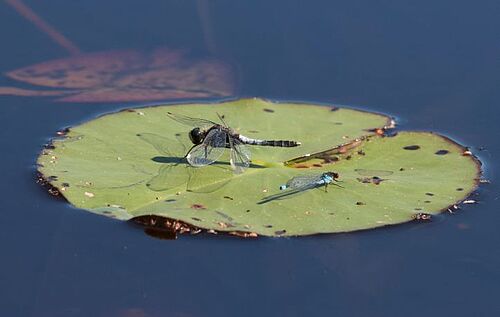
<point>196,136</point>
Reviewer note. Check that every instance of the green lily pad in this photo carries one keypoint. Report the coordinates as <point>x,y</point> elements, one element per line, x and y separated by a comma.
<point>130,164</point>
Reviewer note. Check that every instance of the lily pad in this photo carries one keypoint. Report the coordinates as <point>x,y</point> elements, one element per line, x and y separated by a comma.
<point>130,164</point>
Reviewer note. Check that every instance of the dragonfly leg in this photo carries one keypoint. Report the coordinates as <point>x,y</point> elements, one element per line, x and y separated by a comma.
<point>326,187</point>
<point>338,185</point>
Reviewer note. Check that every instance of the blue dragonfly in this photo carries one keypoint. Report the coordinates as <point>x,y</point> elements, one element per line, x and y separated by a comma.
<point>302,183</point>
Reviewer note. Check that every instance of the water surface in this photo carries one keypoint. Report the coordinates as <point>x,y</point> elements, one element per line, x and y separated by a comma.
<point>434,65</point>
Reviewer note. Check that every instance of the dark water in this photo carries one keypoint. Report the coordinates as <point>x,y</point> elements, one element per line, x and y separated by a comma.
<point>434,65</point>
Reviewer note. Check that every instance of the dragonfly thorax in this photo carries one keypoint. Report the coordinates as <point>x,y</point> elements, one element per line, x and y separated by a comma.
<point>330,176</point>
<point>198,135</point>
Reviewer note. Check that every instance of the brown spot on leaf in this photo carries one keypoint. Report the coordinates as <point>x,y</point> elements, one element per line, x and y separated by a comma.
<point>373,180</point>
<point>280,232</point>
<point>198,206</point>
<point>268,110</point>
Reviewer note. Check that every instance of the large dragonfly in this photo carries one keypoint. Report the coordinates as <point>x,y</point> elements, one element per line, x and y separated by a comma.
<point>301,183</point>
<point>210,139</point>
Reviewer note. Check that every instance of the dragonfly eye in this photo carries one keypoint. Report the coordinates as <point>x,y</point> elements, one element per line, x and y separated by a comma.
<point>196,136</point>
<point>333,175</point>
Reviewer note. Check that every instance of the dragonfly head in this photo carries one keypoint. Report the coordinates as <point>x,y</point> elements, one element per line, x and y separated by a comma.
<point>332,175</point>
<point>196,136</point>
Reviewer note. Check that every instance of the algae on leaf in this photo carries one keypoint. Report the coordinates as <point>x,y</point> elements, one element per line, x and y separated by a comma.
<point>130,164</point>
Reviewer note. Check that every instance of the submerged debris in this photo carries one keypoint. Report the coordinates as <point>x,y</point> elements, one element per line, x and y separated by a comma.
<point>469,201</point>
<point>44,182</point>
<point>167,228</point>
<point>422,216</point>
<point>244,234</point>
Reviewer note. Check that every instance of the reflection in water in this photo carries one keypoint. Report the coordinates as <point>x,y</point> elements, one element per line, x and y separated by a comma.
<point>120,76</point>
<point>30,15</point>
<point>129,75</point>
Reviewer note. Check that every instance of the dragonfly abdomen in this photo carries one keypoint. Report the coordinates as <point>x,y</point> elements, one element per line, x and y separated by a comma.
<point>277,143</point>
<point>280,143</point>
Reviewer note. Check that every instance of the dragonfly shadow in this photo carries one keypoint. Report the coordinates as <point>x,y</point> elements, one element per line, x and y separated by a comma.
<point>286,194</point>
<point>169,160</point>
<point>279,196</point>
<point>182,160</point>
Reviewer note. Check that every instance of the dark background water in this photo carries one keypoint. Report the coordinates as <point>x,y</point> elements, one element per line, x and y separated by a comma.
<point>433,64</point>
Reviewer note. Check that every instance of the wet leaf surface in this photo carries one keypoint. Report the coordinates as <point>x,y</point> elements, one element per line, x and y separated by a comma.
<point>130,164</point>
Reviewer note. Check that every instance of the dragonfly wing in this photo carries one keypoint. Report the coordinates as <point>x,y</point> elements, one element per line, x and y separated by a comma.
<point>208,179</point>
<point>193,122</point>
<point>240,156</point>
<point>158,142</point>
<point>303,182</point>
<point>169,176</point>
<point>209,151</point>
